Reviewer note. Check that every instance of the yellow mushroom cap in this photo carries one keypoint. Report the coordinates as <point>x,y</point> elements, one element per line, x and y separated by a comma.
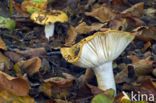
<point>97,49</point>
<point>46,18</point>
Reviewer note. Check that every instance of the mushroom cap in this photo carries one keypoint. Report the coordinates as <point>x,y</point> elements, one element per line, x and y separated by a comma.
<point>97,49</point>
<point>46,18</point>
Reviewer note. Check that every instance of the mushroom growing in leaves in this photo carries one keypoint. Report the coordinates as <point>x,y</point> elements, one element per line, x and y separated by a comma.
<point>49,19</point>
<point>97,52</point>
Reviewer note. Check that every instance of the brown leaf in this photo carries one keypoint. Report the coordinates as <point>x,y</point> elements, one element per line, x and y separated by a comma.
<point>89,74</point>
<point>143,67</point>
<point>102,13</point>
<point>145,33</point>
<point>13,56</point>
<point>121,76</point>
<point>18,86</point>
<point>5,60</point>
<point>140,67</point>
<point>146,46</point>
<point>8,97</point>
<point>136,10</point>
<point>3,45</point>
<point>148,88</point>
<point>31,66</point>
<point>83,28</point>
<point>33,52</point>
<point>94,90</point>
<point>132,22</point>
<point>17,7</point>
<point>57,87</point>
<point>134,58</point>
<point>119,5</point>
<point>71,36</point>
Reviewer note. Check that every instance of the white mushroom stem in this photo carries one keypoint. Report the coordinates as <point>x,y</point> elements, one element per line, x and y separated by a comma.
<point>49,30</point>
<point>105,76</point>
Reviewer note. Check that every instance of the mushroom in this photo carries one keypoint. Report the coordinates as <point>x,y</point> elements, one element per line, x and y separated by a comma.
<point>98,52</point>
<point>49,19</point>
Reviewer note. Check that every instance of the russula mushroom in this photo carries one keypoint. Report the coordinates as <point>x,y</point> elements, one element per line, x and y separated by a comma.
<point>49,19</point>
<point>97,52</point>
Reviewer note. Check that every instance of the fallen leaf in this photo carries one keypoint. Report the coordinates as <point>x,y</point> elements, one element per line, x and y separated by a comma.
<point>107,97</point>
<point>7,23</point>
<point>57,87</point>
<point>8,97</point>
<point>18,86</point>
<point>13,56</point>
<point>146,46</point>
<point>133,58</point>
<point>5,60</point>
<point>89,74</point>
<point>136,10</point>
<point>17,7</point>
<point>147,87</point>
<point>145,33</point>
<point>139,66</point>
<point>132,22</point>
<point>143,67</point>
<point>119,5</point>
<point>3,45</point>
<point>31,66</point>
<point>103,13</point>
<point>121,76</point>
<point>71,36</point>
<point>33,52</point>
<point>83,28</point>
<point>31,6</point>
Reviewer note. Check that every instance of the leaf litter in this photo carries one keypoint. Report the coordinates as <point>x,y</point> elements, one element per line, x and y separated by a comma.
<point>31,67</point>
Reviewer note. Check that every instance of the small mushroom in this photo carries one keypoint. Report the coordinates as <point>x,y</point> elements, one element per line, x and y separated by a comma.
<point>98,52</point>
<point>49,19</point>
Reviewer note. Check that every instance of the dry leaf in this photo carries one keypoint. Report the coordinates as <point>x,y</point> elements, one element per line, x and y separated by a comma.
<point>18,86</point>
<point>139,66</point>
<point>89,74</point>
<point>5,60</point>
<point>17,7</point>
<point>71,36</point>
<point>121,76</point>
<point>146,46</point>
<point>33,52</point>
<point>8,97</point>
<point>133,58</point>
<point>136,10</point>
<point>31,6</point>
<point>83,28</point>
<point>145,33</point>
<point>31,66</point>
<point>143,67</point>
<point>3,45</point>
<point>119,5</point>
<point>57,87</point>
<point>13,56</point>
<point>147,87</point>
<point>102,13</point>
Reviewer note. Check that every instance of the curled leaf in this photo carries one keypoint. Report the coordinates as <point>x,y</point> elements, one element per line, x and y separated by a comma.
<point>102,13</point>
<point>31,66</point>
<point>18,86</point>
